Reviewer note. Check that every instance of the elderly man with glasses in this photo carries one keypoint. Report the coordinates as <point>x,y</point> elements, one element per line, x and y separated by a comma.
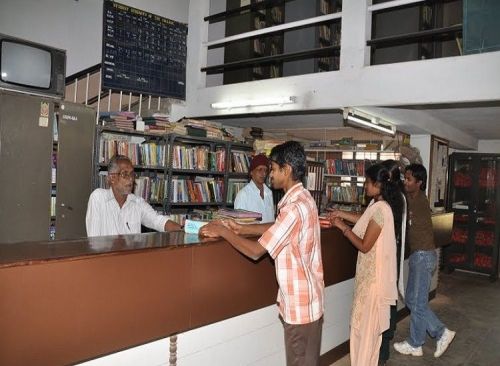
<point>117,210</point>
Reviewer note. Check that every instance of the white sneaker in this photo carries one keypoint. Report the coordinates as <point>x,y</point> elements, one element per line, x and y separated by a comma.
<point>443,342</point>
<point>406,349</point>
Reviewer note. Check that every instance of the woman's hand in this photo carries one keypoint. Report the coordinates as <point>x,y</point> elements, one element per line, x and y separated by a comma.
<point>333,213</point>
<point>339,223</point>
<point>325,222</point>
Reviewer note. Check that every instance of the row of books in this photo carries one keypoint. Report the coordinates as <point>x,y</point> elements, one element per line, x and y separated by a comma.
<point>54,167</point>
<point>277,15</point>
<point>258,23</point>
<point>329,6</point>
<point>196,214</point>
<point>144,153</point>
<point>346,167</point>
<point>52,206</point>
<point>233,188</point>
<point>199,189</point>
<point>259,46</point>
<point>240,161</point>
<point>351,194</point>
<point>199,158</point>
<point>314,181</point>
<point>153,189</point>
<point>325,32</point>
<point>324,7</point>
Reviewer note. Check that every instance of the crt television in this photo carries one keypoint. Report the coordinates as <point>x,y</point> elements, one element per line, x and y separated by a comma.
<point>31,68</point>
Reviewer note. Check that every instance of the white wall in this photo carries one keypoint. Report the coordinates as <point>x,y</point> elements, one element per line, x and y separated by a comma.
<point>489,146</point>
<point>216,31</point>
<point>75,26</point>
<point>484,146</point>
<point>423,144</point>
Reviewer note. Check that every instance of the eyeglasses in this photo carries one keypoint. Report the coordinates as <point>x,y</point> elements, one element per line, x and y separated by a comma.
<point>126,175</point>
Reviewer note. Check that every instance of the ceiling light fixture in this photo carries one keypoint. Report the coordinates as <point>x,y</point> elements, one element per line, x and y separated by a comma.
<point>253,103</point>
<point>361,119</point>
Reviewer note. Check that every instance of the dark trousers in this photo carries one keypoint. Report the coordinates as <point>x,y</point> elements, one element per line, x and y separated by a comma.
<point>388,335</point>
<point>302,343</point>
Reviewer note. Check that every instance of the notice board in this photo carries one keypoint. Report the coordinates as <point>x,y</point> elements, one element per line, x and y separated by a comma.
<point>481,26</point>
<point>143,52</point>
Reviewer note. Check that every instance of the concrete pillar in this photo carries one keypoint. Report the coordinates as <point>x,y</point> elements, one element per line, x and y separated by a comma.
<point>356,29</point>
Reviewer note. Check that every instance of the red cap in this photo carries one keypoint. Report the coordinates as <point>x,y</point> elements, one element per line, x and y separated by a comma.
<point>258,160</point>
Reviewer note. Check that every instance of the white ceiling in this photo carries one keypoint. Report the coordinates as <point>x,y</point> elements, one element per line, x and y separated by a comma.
<point>481,122</point>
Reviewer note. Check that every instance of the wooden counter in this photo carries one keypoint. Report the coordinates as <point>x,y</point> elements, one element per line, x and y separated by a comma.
<point>64,302</point>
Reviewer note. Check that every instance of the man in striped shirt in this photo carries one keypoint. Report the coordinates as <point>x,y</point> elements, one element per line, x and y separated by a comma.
<point>293,241</point>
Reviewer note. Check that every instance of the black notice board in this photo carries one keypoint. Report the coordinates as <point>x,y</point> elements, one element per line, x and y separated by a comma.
<point>143,52</point>
<point>481,26</point>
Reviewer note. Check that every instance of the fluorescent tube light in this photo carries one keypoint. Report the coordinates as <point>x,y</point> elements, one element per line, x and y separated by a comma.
<point>386,129</point>
<point>253,103</point>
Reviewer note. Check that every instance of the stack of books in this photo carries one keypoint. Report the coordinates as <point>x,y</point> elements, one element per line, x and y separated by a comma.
<point>203,128</point>
<point>242,216</point>
<point>121,120</point>
<point>158,123</point>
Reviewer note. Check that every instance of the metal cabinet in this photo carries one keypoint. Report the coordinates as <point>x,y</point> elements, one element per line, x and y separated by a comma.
<point>474,197</point>
<point>76,126</point>
<point>26,153</point>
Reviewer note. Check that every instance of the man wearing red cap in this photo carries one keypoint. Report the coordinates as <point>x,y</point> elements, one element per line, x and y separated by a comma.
<point>256,196</point>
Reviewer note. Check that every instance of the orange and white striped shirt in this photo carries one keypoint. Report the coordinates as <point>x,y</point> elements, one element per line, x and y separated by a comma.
<point>293,241</point>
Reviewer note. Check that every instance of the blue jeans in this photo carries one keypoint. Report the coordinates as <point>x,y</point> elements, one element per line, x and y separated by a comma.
<point>422,318</point>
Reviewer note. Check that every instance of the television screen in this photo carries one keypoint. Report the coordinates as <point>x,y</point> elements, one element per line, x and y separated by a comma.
<point>25,65</point>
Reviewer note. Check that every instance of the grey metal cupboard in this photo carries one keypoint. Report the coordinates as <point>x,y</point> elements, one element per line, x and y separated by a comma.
<point>26,153</point>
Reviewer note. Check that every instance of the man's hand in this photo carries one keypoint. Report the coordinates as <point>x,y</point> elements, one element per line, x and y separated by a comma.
<point>233,226</point>
<point>212,229</point>
<point>172,226</point>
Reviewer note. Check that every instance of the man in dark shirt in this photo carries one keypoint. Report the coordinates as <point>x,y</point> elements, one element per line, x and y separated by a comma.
<point>422,263</point>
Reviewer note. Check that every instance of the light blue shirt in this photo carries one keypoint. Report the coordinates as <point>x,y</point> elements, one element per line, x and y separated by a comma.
<point>249,199</point>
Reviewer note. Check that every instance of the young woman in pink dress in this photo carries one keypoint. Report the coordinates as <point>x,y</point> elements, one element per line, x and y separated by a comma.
<point>375,288</point>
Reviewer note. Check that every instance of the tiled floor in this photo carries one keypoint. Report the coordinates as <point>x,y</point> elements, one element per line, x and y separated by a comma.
<point>469,304</point>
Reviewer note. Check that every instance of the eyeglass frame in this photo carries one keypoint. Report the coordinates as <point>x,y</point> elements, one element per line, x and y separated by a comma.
<point>125,175</point>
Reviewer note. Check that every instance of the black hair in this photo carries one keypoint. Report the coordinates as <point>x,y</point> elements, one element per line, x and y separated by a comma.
<point>394,172</point>
<point>420,174</point>
<point>390,192</point>
<point>293,154</point>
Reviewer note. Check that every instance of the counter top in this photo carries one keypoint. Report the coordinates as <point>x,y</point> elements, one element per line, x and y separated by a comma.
<point>24,253</point>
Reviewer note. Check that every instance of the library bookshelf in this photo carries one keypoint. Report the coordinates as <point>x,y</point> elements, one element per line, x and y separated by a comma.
<point>176,174</point>
<point>344,174</point>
